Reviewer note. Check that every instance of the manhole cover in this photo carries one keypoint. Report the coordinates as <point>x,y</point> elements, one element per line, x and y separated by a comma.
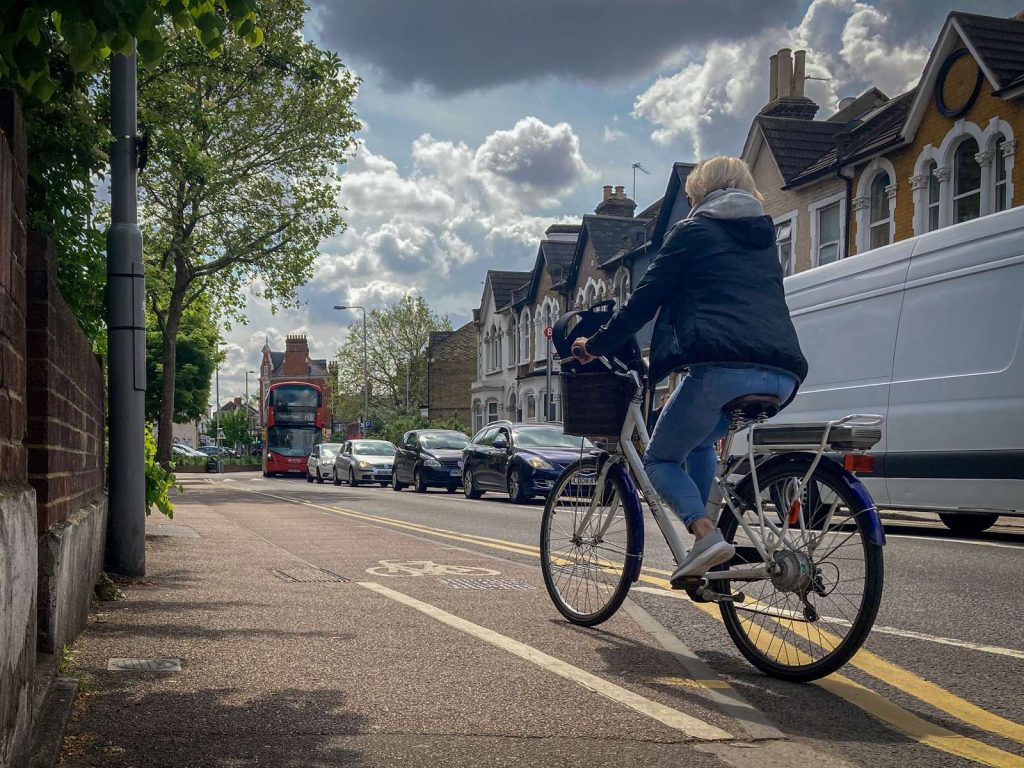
<point>308,576</point>
<point>144,665</point>
<point>486,584</point>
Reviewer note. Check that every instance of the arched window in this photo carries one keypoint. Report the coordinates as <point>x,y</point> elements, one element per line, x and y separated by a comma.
<point>526,324</point>
<point>499,348</point>
<point>480,358</point>
<point>880,216</point>
<point>538,340</point>
<point>933,197</point>
<point>966,181</point>
<point>531,407</point>
<point>1000,201</point>
<point>513,342</point>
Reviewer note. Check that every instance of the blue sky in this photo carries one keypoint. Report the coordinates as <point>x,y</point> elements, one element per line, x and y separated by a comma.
<point>487,120</point>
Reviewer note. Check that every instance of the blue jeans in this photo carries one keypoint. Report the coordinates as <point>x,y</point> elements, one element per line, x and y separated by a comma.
<point>681,459</point>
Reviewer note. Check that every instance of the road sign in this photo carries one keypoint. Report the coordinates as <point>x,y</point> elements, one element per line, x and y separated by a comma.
<point>548,332</point>
<point>367,424</point>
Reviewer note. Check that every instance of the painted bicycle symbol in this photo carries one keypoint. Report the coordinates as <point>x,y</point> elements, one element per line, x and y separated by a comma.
<point>427,568</point>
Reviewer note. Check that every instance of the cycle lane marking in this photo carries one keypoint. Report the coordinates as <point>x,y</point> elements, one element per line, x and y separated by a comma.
<point>864,698</point>
<point>673,718</point>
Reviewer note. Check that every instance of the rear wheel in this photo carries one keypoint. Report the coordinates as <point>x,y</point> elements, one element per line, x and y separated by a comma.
<point>469,485</point>
<point>587,568</point>
<point>319,477</point>
<point>968,522</point>
<point>418,482</point>
<point>395,485</point>
<point>815,611</point>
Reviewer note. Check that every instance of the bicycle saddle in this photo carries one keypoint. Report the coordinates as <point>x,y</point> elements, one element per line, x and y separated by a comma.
<point>753,407</point>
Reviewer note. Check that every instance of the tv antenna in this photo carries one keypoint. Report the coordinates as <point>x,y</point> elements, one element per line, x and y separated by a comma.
<point>637,167</point>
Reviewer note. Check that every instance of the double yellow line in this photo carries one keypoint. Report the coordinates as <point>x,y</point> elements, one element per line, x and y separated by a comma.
<point>903,720</point>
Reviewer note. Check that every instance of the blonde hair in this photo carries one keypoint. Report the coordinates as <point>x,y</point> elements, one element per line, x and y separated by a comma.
<point>719,173</point>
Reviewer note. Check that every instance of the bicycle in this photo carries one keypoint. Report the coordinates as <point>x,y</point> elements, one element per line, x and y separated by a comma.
<point>807,535</point>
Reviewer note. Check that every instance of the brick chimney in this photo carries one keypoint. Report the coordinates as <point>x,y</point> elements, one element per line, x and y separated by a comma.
<point>787,72</point>
<point>296,355</point>
<point>615,203</point>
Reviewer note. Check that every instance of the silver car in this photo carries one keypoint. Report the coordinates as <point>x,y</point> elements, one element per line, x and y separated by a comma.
<point>365,461</point>
<point>320,464</point>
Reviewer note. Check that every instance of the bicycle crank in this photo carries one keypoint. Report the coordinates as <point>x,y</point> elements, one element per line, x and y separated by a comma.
<point>699,590</point>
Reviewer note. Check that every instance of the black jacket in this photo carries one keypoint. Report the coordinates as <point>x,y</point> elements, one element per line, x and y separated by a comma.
<point>718,284</point>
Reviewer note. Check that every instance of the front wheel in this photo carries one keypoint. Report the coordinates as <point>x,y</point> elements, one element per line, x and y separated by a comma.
<point>820,602</point>
<point>418,482</point>
<point>517,492</point>
<point>587,566</point>
<point>309,477</point>
<point>395,485</point>
<point>337,479</point>
<point>319,477</point>
<point>352,478</point>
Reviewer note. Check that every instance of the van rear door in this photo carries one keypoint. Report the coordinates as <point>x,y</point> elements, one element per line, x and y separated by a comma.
<point>956,405</point>
<point>846,315</point>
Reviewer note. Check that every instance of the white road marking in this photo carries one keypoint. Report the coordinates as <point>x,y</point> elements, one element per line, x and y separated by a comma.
<point>673,718</point>
<point>882,630</point>
<point>944,540</point>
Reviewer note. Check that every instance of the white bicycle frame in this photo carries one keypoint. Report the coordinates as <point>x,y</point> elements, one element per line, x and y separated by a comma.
<point>767,537</point>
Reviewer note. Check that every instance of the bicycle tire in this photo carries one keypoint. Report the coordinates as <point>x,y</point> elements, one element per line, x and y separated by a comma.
<point>736,618</point>
<point>554,564</point>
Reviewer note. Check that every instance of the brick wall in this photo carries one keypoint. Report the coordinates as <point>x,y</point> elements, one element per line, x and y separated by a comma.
<point>12,289</point>
<point>65,397</point>
<point>451,370</point>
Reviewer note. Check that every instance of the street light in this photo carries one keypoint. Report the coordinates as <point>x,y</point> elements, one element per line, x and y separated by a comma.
<point>366,369</point>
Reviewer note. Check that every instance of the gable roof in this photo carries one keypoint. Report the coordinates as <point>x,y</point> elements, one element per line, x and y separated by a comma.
<point>276,361</point>
<point>503,283</point>
<point>795,143</point>
<point>676,185</point>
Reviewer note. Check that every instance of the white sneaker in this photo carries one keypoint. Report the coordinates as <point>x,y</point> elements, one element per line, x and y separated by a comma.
<point>705,554</point>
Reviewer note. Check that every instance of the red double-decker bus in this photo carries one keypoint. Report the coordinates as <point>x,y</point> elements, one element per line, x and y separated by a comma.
<point>294,415</point>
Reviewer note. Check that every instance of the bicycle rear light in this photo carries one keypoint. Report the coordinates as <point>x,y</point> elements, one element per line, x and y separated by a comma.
<point>858,462</point>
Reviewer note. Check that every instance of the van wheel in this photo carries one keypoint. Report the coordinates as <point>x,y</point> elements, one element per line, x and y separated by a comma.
<point>968,522</point>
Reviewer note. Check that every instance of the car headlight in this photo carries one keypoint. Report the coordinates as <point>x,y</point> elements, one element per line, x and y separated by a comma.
<point>460,463</point>
<point>538,463</point>
<point>365,465</point>
<point>432,462</point>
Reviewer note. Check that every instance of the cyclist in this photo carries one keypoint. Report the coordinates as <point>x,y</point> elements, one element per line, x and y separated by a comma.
<point>723,317</point>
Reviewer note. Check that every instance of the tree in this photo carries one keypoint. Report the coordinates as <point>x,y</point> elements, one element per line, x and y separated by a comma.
<point>236,426</point>
<point>52,53</point>
<point>396,339</point>
<point>242,182</point>
<point>195,361</point>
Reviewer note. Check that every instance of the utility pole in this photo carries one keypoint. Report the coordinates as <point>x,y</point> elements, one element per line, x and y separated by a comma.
<point>126,333</point>
<point>248,413</point>
<point>216,413</point>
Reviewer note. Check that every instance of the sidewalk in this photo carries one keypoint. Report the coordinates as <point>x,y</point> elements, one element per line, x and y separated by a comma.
<point>283,663</point>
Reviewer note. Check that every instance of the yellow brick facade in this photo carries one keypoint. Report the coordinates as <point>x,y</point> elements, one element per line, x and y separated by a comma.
<point>934,128</point>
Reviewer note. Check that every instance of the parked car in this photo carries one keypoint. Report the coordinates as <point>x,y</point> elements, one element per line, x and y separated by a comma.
<point>430,458</point>
<point>364,461</point>
<point>320,464</point>
<point>178,449</point>
<point>927,333</point>
<point>217,450</point>
<point>522,460</point>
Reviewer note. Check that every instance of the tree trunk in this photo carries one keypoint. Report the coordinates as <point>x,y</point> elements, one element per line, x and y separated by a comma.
<point>175,308</point>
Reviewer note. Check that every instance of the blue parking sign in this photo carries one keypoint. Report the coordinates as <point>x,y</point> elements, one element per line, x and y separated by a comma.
<point>368,424</point>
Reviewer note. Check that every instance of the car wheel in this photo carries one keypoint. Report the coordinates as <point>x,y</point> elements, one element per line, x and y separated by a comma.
<point>319,477</point>
<point>469,485</point>
<point>337,480</point>
<point>417,480</point>
<point>309,477</point>
<point>395,485</point>
<point>517,487</point>
<point>352,478</point>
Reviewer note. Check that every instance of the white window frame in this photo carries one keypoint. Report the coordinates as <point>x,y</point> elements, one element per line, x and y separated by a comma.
<point>487,411</point>
<point>790,218</point>
<point>862,203</point>
<point>813,209</point>
<point>983,178</point>
<point>525,323</point>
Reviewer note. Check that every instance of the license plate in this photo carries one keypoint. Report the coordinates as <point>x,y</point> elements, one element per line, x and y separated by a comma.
<point>382,471</point>
<point>586,481</point>
<point>456,473</point>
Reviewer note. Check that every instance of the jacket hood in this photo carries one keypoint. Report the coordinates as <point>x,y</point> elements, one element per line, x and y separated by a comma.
<point>740,214</point>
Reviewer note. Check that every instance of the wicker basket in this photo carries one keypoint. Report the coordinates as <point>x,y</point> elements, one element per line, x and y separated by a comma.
<point>594,405</point>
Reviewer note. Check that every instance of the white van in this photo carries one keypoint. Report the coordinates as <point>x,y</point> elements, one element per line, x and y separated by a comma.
<point>928,332</point>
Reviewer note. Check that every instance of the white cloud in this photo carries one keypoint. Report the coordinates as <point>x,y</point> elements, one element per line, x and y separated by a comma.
<point>612,134</point>
<point>707,106</point>
<point>433,230</point>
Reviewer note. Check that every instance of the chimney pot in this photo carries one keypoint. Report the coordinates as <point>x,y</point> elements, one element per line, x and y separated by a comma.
<point>799,72</point>
<point>773,77</point>
<point>785,78</point>
<point>620,192</point>
<point>607,192</point>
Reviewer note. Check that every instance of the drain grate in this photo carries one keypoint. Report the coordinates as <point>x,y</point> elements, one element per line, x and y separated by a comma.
<point>308,576</point>
<point>486,584</point>
<point>144,665</point>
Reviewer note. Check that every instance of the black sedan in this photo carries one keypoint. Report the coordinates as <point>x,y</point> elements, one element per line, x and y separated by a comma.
<point>429,458</point>
<point>522,460</point>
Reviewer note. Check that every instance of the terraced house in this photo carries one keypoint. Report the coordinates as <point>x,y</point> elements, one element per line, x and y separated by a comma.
<point>884,169</point>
